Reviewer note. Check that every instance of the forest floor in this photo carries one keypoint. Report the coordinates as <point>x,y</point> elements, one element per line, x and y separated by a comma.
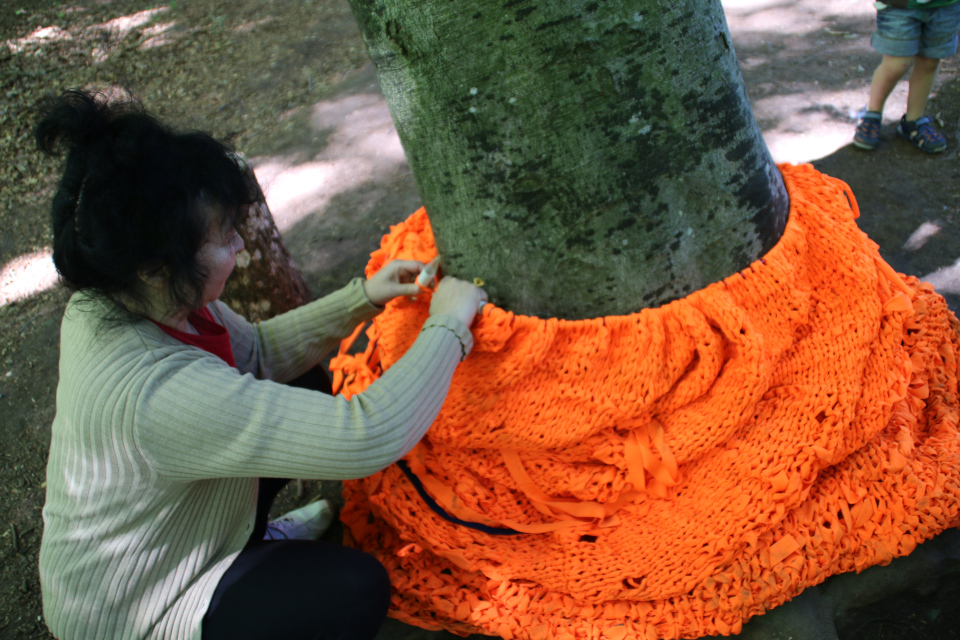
<point>288,82</point>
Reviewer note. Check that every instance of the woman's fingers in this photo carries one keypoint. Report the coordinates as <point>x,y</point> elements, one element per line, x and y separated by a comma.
<point>458,298</point>
<point>396,278</point>
<point>452,295</point>
<point>405,270</point>
<point>407,289</point>
<point>428,275</point>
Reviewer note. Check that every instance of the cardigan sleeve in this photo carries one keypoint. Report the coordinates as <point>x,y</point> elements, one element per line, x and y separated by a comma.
<point>288,345</point>
<point>198,418</point>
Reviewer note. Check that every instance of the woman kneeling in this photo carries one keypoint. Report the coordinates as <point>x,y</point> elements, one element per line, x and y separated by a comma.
<point>171,407</point>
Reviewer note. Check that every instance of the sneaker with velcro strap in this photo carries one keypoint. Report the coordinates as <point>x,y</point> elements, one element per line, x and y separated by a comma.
<point>305,523</point>
<point>922,134</point>
<point>868,133</point>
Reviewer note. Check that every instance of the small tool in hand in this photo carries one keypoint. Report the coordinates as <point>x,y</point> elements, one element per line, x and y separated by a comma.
<point>428,277</point>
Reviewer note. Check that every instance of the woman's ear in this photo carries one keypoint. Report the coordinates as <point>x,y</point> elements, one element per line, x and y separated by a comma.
<point>155,278</point>
<point>152,297</point>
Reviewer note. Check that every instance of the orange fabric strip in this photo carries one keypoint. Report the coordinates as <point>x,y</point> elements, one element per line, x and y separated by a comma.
<point>680,469</point>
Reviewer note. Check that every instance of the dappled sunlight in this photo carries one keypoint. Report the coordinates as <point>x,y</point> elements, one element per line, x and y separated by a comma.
<point>120,27</point>
<point>825,47</point>
<point>157,35</point>
<point>945,279</point>
<point>798,148</point>
<point>362,146</point>
<point>749,5</point>
<point>27,275</point>
<point>806,126</point>
<point>249,26</point>
<point>39,36</point>
<point>287,187</point>
<point>788,16</point>
<point>114,31</point>
<point>923,233</point>
<point>761,16</point>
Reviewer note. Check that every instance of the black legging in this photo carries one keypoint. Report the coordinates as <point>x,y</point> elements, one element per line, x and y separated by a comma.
<point>297,589</point>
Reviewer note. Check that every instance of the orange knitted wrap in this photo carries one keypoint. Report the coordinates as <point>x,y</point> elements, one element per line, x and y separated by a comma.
<point>681,469</point>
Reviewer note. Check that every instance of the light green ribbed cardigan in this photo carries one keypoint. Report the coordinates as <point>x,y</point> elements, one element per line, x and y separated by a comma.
<point>157,445</point>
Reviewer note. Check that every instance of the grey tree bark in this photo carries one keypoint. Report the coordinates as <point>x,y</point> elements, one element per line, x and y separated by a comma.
<point>583,158</point>
<point>266,281</point>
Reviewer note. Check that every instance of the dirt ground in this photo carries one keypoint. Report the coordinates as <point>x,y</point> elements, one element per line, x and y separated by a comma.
<point>289,84</point>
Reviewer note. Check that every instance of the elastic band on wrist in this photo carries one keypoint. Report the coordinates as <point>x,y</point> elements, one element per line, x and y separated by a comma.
<point>463,347</point>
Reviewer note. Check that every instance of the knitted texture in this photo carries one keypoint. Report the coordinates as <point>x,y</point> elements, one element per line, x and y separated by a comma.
<point>678,470</point>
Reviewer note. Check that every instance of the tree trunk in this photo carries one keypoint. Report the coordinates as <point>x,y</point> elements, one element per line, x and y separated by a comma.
<point>266,281</point>
<point>583,158</point>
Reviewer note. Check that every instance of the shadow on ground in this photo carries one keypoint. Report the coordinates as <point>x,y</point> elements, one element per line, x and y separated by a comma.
<point>909,203</point>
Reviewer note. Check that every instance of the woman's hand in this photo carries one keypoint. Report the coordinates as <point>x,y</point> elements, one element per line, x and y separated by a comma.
<point>396,278</point>
<point>458,298</point>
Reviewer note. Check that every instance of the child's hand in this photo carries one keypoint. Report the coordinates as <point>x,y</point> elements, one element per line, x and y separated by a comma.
<point>396,278</point>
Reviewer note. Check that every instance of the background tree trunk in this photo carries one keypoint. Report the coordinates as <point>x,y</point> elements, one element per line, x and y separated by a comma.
<point>583,158</point>
<point>266,281</point>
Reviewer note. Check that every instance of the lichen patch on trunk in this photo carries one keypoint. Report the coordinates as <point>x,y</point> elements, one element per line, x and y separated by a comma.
<point>578,141</point>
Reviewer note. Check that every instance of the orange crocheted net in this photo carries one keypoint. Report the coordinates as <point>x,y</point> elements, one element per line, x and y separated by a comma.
<point>679,470</point>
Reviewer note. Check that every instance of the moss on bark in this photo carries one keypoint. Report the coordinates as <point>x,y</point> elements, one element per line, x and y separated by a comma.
<point>583,158</point>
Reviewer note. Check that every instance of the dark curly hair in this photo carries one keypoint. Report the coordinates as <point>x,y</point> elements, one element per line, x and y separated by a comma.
<point>135,198</point>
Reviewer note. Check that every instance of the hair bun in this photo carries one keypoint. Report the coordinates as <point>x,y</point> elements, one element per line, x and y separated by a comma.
<point>70,121</point>
<point>135,196</point>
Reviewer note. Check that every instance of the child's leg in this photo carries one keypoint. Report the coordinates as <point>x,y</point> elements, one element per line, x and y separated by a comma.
<point>921,82</point>
<point>938,39</point>
<point>885,78</point>
<point>913,126</point>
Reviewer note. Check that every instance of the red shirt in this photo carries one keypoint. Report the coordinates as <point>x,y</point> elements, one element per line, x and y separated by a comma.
<point>213,338</point>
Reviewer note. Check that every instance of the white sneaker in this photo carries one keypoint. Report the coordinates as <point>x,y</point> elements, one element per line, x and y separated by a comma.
<point>305,523</point>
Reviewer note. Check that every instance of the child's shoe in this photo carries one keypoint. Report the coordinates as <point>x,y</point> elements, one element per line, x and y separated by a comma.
<point>922,134</point>
<point>868,133</point>
<point>305,523</point>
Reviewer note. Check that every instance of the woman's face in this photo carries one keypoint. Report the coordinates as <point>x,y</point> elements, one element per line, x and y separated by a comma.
<point>218,256</point>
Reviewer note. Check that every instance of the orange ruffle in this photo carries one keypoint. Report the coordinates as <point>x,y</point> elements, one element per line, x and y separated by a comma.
<point>678,470</point>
